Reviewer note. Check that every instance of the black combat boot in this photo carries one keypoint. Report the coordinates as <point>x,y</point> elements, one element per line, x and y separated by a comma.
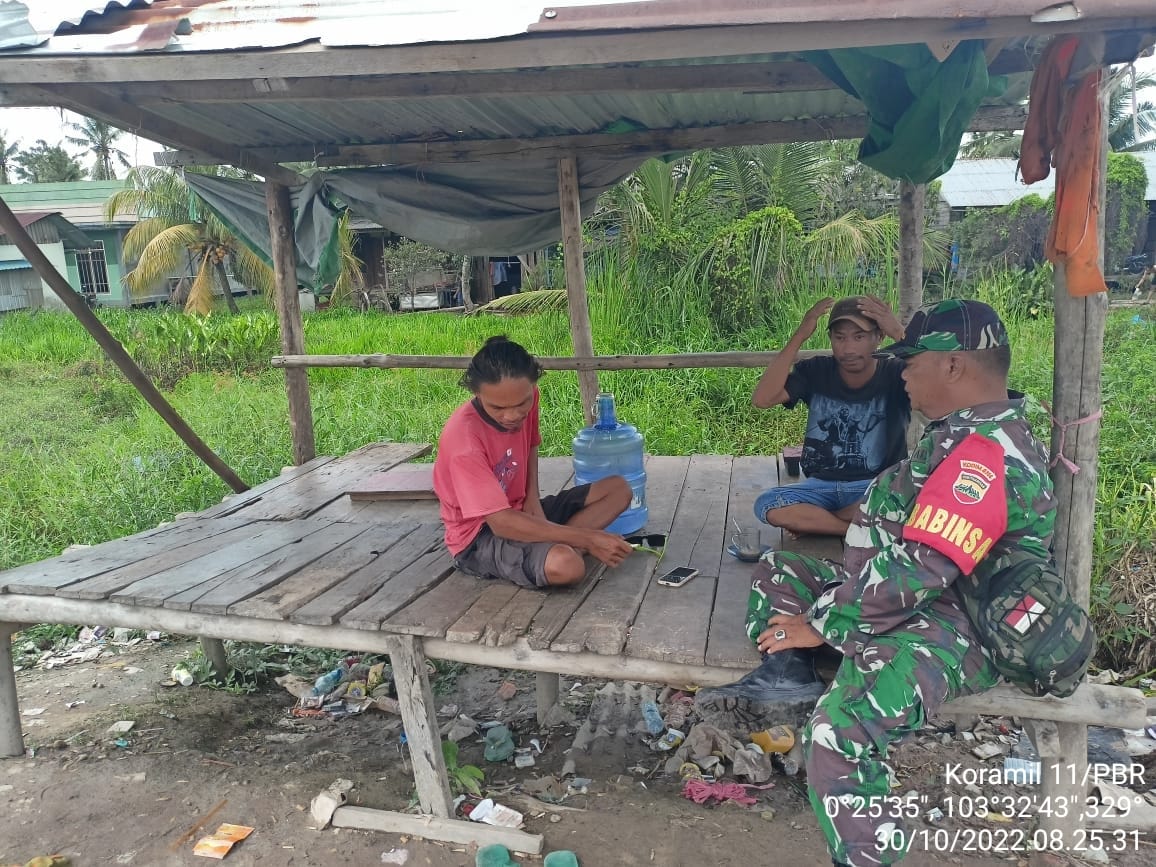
<point>785,684</point>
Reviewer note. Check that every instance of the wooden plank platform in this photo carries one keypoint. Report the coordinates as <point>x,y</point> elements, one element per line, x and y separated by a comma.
<point>297,550</point>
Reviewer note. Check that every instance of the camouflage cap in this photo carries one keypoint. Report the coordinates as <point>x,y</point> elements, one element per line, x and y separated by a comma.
<point>950,326</point>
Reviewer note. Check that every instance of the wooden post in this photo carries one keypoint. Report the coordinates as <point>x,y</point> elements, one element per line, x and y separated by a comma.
<point>580,334</point>
<point>11,736</point>
<point>214,650</point>
<point>911,199</point>
<point>481,287</point>
<point>407,657</point>
<point>1078,350</point>
<point>113,349</point>
<point>546,694</point>
<point>289,318</point>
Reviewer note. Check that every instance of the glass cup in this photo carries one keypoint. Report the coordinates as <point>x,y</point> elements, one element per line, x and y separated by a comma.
<point>748,545</point>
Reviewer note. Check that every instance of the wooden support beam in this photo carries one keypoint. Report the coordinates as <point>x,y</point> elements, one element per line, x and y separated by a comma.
<point>289,318</point>
<point>113,348</point>
<point>641,143</point>
<point>11,735</point>
<point>1078,350</point>
<point>214,650</point>
<point>911,200</point>
<point>545,694</point>
<point>580,333</point>
<point>1108,705</point>
<point>415,697</point>
<point>786,29</point>
<point>435,828</point>
<point>677,361</point>
<point>773,77</point>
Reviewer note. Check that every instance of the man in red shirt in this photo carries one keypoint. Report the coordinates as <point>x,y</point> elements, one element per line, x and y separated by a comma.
<point>486,479</point>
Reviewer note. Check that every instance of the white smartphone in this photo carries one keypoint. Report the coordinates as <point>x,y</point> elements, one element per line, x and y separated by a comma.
<point>677,577</point>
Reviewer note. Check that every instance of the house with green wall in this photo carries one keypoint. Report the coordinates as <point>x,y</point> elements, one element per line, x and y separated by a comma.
<point>96,270</point>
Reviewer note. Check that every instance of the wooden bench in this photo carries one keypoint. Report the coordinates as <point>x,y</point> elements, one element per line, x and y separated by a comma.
<point>295,561</point>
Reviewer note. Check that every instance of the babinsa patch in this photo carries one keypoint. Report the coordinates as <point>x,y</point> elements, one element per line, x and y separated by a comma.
<point>962,508</point>
<point>973,482</point>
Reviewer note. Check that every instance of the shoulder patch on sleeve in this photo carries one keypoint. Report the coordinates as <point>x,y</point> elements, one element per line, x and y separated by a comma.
<point>962,509</point>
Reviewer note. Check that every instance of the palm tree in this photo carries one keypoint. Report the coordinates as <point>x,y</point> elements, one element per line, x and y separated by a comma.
<point>99,139</point>
<point>7,154</point>
<point>987,145</point>
<point>1128,130</point>
<point>176,231</point>
<point>44,163</point>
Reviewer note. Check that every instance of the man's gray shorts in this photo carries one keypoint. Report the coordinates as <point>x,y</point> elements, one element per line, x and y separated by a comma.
<point>523,563</point>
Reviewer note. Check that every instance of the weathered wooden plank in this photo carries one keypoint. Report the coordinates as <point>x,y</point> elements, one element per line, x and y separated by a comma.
<point>434,611</point>
<point>265,572</point>
<point>156,588</point>
<point>513,620</point>
<point>303,586</point>
<point>305,495</point>
<point>560,605</point>
<point>411,678</point>
<point>378,511</point>
<point>100,586</point>
<point>603,620</point>
<point>393,561</point>
<point>399,590</point>
<point>673,623</point>
<point>182,600</point>
<point>472,625</point>
<point>727,644</point>
<point>46,576</point>
<point>259,492</point>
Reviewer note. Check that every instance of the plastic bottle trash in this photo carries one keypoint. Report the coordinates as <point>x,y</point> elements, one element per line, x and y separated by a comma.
<point>776,739</point>
<point>653,717</point>
<point>328,682</point>
<point>499,744</point>
<point>612,448</point>
<point>182,676</point>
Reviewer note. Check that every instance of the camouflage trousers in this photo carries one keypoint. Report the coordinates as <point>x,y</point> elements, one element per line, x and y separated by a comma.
<point>877,698</point>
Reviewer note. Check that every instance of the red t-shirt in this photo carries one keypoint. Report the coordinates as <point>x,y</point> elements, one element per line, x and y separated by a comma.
<point>480,470</point>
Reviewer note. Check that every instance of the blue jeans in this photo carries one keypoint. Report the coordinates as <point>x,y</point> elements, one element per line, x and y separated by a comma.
<point>831,496</point>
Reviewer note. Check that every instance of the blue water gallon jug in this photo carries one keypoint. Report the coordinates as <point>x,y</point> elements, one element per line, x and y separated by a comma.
<point>611,448</point>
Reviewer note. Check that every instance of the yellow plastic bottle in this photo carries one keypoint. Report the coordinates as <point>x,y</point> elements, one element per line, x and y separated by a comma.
<point>776,739</point>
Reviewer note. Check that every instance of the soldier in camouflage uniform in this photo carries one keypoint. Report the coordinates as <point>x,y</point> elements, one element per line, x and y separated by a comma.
<point>976,486</point>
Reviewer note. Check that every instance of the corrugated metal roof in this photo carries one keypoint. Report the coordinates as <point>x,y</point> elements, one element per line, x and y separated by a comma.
<point>216,25</point>
<point>993,183</point>
<point>14,265</point>
<point>79,202</point>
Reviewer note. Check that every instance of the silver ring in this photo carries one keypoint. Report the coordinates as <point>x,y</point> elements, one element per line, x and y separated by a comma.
<point>780,635</point>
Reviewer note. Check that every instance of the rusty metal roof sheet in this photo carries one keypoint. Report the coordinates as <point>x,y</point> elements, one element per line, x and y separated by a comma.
<point>87,26</point>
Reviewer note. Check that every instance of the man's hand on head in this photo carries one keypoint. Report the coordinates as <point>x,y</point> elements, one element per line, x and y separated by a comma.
<point>810,323</point>
<point>881,312</point>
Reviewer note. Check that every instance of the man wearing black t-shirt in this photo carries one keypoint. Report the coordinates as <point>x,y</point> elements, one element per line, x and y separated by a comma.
<point>857,414</point>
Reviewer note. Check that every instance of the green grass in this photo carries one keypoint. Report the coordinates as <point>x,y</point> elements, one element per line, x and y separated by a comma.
<point>83,459</point>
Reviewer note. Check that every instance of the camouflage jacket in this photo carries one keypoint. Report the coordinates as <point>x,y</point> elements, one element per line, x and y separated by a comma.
<point>886,579</point>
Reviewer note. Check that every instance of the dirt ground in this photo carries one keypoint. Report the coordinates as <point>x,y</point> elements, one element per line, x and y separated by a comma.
<point>79,793</point>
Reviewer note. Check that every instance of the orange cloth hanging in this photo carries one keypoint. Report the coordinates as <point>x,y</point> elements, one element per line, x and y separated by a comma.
<point>1065,126</point>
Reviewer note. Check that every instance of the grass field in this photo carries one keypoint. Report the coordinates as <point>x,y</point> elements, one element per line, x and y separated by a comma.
<point>83,459</point>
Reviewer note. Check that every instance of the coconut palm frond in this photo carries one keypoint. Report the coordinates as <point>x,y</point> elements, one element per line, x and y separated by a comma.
<point>850,240</point>
<point>349,279</point>
<point>526,303</point>
<point>789,175</point>
<point>251,270</point>
<point>736,177</point>
<point>201,292</point>
<point>164,254</point>
<point>657,191</point>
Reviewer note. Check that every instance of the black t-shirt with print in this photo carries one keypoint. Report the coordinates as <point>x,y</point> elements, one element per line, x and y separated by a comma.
<point>852,433</point>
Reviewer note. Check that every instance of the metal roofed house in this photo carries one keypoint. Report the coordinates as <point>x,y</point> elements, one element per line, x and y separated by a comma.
<point>21,288</point>
<point>993,183</point>
<point>93,268</point>
<point>488,127</point>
